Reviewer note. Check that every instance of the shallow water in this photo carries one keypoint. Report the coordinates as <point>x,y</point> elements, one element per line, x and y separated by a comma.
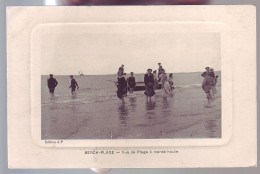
<point>96,112</point>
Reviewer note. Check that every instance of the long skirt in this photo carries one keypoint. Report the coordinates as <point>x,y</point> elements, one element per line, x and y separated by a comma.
<point>149,91</point>
<point>121,92</point>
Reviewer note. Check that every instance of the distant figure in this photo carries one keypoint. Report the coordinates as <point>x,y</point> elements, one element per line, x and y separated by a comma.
<point>170,80</point>
<point>131,82</point>
<point>121,86</point>
<point>121,69</point>
<point>73,85</point>
<point>214,91</point>
<point>211,72</point>
<point>216,79</point>
<point>149,84</point>
<point>155,79</point>
<point>52,83</point>
<point>207,86</point>
<point>207,69</point>
<point>159,70</point>
<point>163,78</point>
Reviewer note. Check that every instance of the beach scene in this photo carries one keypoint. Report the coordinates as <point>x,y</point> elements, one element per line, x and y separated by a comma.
<point>128,81</point>
<point>97,113</point>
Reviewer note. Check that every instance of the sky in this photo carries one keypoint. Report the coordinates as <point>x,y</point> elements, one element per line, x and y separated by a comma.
<point>102,49</point>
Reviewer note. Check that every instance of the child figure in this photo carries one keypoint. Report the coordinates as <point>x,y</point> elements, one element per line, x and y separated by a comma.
<point>73,85</point>
<point>131,83</point>
<point>170,80</point>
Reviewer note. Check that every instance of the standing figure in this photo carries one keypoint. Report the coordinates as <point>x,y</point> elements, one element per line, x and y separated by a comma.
<point>131,82</point>
<point>121,86</point>
<point>212,74</point>
<point>166,90</point>
<point>52,83</point>
<point>207,85</point>
<point>73,85</point>
<point>149,84</point>
<point>121,69</point>
<point>159,70</point>
<point>214,91</point>
<point>163,78</point>
<point>155,79</point>
<point>170,80</point>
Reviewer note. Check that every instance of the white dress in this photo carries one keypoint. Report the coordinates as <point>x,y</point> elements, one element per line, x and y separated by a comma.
<point>166,89</point>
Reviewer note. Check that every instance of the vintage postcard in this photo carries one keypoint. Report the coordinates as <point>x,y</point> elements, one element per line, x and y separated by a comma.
<point>102,85</point>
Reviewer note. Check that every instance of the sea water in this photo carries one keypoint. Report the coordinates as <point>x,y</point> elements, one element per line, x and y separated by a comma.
<point>97,113</point>
<point>97,88</point>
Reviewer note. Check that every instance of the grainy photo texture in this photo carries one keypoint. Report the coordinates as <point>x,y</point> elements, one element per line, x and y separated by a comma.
<point>103,82</point>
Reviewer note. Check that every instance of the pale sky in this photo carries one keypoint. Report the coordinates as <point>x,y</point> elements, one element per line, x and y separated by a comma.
<point>69,50</point>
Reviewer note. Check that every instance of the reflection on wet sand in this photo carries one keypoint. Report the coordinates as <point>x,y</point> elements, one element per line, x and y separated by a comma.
<point>166,108</point>
<point>150,106</point>
<point>132,104</point>
<point>212,127</point>
<point>134,119</point>
<point>53,107</point>
<point>123,114</point>
<point>165,104</point>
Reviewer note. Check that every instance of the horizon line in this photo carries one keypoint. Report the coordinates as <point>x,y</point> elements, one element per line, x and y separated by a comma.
<point>116,73</point>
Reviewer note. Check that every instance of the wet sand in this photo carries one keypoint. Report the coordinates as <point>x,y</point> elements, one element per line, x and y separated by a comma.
<point>182,116</point>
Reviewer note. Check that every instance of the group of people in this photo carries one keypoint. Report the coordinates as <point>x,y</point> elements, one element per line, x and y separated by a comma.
<point>209,83</point>
<point>123,84</point>
<point>152,81</point>
<point>52,84</point>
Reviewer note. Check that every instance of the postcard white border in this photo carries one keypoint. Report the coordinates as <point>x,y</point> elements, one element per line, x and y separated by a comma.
<point>237,151</point>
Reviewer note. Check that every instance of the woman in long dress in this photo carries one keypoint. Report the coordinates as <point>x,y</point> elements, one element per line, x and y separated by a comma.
<point>149,84</point>
<point>121,86</point>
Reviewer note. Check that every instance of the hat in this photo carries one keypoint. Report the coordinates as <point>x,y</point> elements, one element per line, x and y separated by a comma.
<point>207,67</point>
<point>149,69</point>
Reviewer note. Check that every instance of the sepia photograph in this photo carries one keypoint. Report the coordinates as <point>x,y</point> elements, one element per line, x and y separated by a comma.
<point>115,87</point>
<point>124,81</point>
